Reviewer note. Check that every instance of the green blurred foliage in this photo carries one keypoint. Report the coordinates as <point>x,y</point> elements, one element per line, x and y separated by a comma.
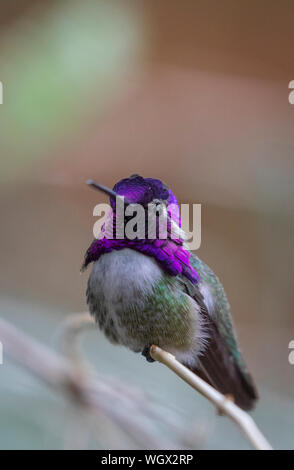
<point>56,67</point>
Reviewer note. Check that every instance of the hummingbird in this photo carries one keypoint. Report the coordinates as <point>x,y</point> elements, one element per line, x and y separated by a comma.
<point>144,291</point>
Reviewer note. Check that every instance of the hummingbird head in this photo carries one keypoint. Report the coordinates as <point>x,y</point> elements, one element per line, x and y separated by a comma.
<point>138,190</point>
<point>165,241</point>
<point>145,192</point>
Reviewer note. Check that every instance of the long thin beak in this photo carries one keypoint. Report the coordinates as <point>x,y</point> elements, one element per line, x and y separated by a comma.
<point>105,190</point>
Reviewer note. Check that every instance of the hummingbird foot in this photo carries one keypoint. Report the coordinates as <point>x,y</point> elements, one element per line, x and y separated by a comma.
<point>146,353</point>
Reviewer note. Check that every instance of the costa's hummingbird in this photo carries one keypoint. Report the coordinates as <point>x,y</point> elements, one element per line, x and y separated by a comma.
<point>155,291</point>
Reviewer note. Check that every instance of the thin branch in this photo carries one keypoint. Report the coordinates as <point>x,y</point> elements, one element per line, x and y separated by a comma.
<point>222,403</point>
<point>70,334</point>
<point>77,323</point>
<point>86,391</point>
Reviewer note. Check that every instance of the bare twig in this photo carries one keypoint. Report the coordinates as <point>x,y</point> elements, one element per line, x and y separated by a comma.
<point>70,334</point>
<point>222,403</point>
<point>98,396</point>
<point>77,323</point>
<point>86,392</point>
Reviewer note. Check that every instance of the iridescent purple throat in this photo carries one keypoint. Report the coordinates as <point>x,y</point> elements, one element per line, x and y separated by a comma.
<point>170,254</point>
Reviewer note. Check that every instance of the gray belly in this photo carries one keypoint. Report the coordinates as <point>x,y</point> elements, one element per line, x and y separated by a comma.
<point>120,282</point>
<point>135,304</point>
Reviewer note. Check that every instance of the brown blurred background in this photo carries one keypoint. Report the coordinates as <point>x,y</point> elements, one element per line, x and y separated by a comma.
<point>194,93</point>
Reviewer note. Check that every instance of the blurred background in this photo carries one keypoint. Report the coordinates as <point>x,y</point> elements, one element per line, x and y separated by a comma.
<point>194,93</point>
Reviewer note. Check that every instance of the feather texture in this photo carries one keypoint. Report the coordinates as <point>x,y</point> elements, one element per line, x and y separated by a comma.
<point>221,364</point>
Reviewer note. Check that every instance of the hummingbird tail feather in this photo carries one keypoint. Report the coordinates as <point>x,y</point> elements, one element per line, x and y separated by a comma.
<point>225,373</point>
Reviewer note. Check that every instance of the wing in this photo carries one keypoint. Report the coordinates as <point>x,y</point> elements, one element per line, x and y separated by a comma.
<point>221,363</point>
